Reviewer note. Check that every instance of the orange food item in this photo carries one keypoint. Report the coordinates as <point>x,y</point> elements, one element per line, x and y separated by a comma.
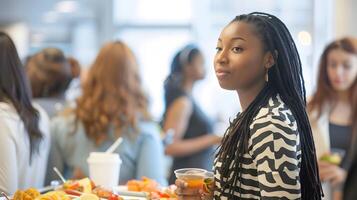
<point>21,195</point>
<point>144,185</point>
<point>29,194</point>
<point>84,185</point>
<point>152,187</point>
<point>133,186</point>
<point>54,195</point>
<point>106,194</point>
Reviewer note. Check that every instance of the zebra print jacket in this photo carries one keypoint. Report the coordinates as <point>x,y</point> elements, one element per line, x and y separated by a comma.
<point>272,165</point>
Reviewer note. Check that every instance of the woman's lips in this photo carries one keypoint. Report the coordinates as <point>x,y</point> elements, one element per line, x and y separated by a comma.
<point>337,81</point>
<point>222,74</point>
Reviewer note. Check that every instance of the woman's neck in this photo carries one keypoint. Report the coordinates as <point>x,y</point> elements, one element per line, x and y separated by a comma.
<point>342,97</point>
<point>187,85</point>
<point>247,95</point>
<point>341,112</point>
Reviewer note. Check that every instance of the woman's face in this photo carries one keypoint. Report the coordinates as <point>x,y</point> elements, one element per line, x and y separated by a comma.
<point>196,69</point>
<point>341,69</point>
<point>240,58</point>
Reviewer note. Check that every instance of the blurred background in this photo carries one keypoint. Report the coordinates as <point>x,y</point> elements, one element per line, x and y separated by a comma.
<point>156,29</point>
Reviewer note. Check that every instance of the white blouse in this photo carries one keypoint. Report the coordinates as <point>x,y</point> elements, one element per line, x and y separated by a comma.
<point>15,169</point>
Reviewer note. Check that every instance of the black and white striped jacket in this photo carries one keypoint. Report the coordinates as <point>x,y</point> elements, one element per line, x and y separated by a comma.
<point>272,165</point>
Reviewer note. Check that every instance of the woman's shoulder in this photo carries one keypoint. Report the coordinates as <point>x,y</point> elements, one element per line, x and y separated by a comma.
<point>10,118</point>
<point>275,113</point>
<point>274,122</point>
<point>173,94</point>
<point>148,128</point>
<point>8,111</point>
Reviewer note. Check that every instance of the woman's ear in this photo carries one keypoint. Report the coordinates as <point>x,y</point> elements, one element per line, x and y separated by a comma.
<point>269,59</point>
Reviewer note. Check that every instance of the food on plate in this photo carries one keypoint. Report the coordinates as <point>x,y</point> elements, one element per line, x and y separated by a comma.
<point>84,185</point>
<point>144,185</point>
<point>88,196</point>
<point>106,194</point>
<point>85,189</point>
<point>33,194</point>
<point>165,194</point>
<point>29,194</point>
<point>54,195</point>
<point>152,187</point>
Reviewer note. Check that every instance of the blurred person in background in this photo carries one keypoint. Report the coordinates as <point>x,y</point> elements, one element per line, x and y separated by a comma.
<point>24,127</point>
<point>112,105</point>
<point>333,113</point>
<point>74,88</point>
<point>193,141</point>
<point>50,75</point>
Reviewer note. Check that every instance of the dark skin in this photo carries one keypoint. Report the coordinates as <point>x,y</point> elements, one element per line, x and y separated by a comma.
<point>241,64</point>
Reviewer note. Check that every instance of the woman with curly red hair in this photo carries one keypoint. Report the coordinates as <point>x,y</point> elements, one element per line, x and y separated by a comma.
<point>112,105</point>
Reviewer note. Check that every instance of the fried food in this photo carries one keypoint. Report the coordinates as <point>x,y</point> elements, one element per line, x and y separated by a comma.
<point>29,194</point>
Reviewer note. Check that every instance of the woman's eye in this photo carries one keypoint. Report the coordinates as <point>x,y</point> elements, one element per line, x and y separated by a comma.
<point>333,65</point>
<point>347,66</point>
<point>218,49</point>
<point>237,49</point>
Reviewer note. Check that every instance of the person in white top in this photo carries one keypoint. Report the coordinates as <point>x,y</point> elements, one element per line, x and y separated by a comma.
<point>24,128</point>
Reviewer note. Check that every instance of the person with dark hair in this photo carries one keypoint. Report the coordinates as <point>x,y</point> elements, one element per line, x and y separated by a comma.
<point>333,111</point>
<point>193,141</point>
<point>50,75</point>
<point>267,151</point>
<point>24,132</point>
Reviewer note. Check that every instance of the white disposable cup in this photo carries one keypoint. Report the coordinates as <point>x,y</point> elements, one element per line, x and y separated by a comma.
<point>104,168</point>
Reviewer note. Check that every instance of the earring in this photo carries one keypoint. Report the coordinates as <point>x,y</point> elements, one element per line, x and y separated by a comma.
<point>267,76</point>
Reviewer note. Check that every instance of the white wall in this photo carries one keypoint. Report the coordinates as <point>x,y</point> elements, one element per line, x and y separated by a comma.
<point>19,33</point>
<point>345,18</point>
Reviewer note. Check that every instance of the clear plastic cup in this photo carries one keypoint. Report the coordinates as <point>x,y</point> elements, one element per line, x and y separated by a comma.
<point>194,177</point>
<point>208,182</point>
<point>104,168</point>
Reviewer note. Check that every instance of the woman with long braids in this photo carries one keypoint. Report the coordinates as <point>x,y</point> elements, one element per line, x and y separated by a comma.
<point>268,150</point>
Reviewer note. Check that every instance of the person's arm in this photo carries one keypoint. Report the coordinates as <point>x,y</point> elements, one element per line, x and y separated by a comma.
<point>150,162</point>
<point>332,173</point>
<point>178,116</point>
<point>189,146</point>
<point>177,119</point>
<point>8,166</point>
<point>275,149</point>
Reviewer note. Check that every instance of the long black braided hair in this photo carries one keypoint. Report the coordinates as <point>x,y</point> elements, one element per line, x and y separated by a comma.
<point>285,79</point>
